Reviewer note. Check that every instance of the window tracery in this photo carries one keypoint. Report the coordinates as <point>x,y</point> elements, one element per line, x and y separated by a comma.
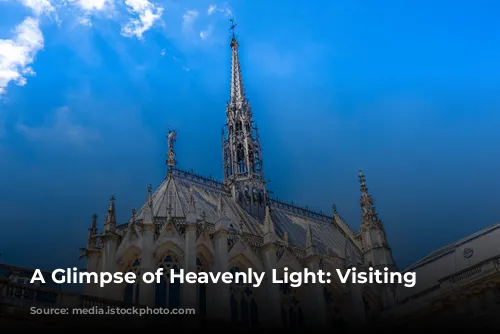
<point>168,294</point>
<point>202,289</point>
<point>333,313</point>
<point>244,307</point>
<point>291,310</point>
<point>132,290</point>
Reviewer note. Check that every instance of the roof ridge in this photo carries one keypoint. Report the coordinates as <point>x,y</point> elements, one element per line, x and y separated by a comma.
<point>304,210</point>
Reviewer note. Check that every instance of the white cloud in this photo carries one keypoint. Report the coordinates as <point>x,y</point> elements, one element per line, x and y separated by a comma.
<point>189,18</point>
<point>85,20</point>
<point>211,9</point>
<point>61,130</point>
<point>224,10</point>
<point>204,34</point>
<point>18,53</point>
<point>147,14</point>
<point>93,5</point>
<point>38,6</point>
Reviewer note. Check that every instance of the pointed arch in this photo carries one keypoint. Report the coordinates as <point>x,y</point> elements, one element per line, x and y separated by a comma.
<point>244,307</point>
<point>126,250</point>
<point>289,260</point>
<point>169,247</point>
<point>243,302</point>
<point>167,292</point>
<point>334,305</point>
<point>206,255</point>
<point>330,265</point>
<point>169,234</point>
<point>131,263</point>
<point>201,266</point>
<point>292,315</point>
<point>127,257</point>
<point>243,254</point>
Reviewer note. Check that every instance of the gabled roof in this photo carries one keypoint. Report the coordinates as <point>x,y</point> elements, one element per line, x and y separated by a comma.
<point>172,196</point>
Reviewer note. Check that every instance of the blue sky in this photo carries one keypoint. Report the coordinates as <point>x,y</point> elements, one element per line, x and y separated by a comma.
<point>406,90</point>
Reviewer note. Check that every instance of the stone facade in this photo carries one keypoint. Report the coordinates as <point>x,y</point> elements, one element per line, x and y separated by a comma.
<point>200,224</point>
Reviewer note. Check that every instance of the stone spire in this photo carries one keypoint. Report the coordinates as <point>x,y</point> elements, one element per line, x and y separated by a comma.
<point>170,161</point>
<point>191,217</point>
<point>92,231</point>
<point>242,158</point>
<point>376,249</point>
<point>110,221</point>
<point>310,248</point>
<point>269,230</point>
<point>222,222</point>
<point>148,210</point>
<point>237,97</point>
<point>132,217</point>
<point>369,216</point>
<point>150,196</point>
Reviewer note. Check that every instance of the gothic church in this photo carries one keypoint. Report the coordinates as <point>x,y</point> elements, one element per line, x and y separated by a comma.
<point>200,224</point>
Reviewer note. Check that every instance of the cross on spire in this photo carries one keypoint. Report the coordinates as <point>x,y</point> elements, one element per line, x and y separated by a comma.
<point>233,25</point>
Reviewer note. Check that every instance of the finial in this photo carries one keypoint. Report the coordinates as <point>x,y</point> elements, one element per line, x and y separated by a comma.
<point>233,25</point>
<point>169,211</point>
<point>309,237</point>
<point>171,138</point>
<point>334,207</point>
<point>112,203</point>
<point>150,195</point>
<point>93,228</point>
<point>234,43</point>
<point>133,214</point>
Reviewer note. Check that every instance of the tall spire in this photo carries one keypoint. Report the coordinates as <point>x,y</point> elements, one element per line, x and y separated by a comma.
<point>242,158</point>
<point>92,232</point>
<point>170,161</point>
<point>237,92</point>
<point>110,221</point>
<point>369,215</point>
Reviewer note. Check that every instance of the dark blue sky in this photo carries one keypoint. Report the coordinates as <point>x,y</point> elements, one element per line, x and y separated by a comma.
<point>406,90</point>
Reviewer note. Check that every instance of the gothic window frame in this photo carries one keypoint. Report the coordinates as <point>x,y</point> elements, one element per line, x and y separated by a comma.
<point>291,305</point>
<point>201,288</point>
<point>173,264</point>
<point>243,302</point>
<point>135,267</point>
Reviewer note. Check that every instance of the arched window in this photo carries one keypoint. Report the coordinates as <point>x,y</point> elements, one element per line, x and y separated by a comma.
<point>244,308</point>
<point>131,291</point>
<point>291,310</point>
<point>202,290</point>
<point>333,313</point>
<point>240,158</point>
<point>168,294</point>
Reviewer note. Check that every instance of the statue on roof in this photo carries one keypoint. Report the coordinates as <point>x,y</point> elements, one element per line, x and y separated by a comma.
<point>172,135</point>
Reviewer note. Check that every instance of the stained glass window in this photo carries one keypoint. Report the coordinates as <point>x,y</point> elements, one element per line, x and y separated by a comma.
<point>291,310</point>
<point>244,308</point>
<point>168,294</point>
<point>132,290</point>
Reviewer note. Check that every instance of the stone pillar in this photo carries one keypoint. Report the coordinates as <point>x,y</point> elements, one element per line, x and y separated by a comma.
<point>147,291</point>
<point>315,301</point>
<point>221,303</point>
<point>189,291</point>
<point>110,240</point>
<point>272,299</point>
<point>92,289</point>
